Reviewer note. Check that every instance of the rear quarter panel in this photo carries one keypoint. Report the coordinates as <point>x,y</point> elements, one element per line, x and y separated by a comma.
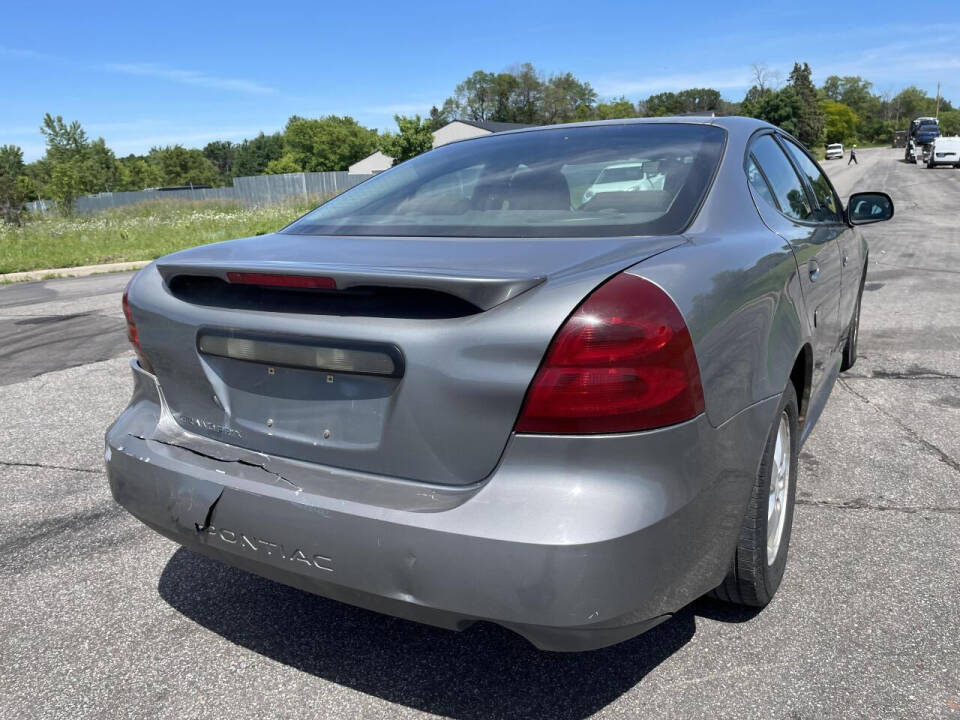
<point>737,284</point>
<point>740,297</point>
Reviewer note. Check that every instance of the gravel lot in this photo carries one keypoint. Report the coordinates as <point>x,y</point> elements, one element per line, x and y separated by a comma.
<point>103,618</point>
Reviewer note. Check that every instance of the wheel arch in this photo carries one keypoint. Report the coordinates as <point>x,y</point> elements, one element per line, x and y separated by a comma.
<point>801,377</point>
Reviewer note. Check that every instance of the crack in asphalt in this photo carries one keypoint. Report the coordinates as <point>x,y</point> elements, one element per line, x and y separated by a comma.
<point>46,466</point>
<point>881,375</point>
<point>915,268</point>
<point>860,504</point>
<point>64,316</point>
<point>79,521</point>
<point>936,450</point>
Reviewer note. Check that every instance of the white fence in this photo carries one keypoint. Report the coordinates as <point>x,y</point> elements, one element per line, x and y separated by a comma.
<point>254,190</point>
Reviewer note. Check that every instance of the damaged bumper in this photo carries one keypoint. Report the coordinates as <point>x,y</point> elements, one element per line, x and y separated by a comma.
<point>575,543</point>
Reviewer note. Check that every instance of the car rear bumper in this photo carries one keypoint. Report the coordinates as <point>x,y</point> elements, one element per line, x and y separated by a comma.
<point>573,542</point>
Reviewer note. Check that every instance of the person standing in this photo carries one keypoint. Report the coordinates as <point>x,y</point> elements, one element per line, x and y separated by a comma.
<point>853,156</point>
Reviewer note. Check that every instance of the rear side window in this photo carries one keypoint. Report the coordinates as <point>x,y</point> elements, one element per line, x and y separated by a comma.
<point>829,210</point>
<point>758,183</point>
<point>783,179</point>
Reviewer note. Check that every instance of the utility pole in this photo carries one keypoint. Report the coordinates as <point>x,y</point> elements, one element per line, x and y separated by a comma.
<point>938,101</point>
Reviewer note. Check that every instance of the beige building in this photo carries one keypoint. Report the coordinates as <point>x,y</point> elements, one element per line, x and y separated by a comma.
<point>451,132</point>
<point>378,162</point>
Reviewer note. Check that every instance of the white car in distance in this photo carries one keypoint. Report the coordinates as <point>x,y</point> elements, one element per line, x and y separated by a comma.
<point>834,151</point>
<point>626,177</point>
<point>945,151</point>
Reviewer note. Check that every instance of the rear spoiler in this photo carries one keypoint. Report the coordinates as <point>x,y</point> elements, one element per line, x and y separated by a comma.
<point>482,291</point>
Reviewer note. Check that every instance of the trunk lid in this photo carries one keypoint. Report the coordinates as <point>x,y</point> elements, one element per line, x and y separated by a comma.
<point>415,366</point>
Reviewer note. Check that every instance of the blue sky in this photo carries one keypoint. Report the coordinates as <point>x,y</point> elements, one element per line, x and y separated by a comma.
<point>144,74</point>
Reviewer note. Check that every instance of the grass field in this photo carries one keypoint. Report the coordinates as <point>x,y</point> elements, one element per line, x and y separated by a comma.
<point>135,232</point>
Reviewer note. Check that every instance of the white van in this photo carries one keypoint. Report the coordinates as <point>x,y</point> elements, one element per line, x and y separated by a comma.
<point>945,151</point>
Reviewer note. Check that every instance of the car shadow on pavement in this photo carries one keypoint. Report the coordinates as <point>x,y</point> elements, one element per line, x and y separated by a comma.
<point>482,672</point>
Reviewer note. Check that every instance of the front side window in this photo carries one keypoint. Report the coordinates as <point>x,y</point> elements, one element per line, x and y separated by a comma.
<point>783,179</point>
<point>829,210</point>
<point>609,180</point>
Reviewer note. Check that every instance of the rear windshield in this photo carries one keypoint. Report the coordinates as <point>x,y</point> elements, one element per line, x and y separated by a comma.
<point>550,183</point>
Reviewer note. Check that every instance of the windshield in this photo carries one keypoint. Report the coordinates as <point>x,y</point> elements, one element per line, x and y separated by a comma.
<point>534,184</point>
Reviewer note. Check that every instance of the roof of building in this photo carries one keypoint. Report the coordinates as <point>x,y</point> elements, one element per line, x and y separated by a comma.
<point>493,127</point>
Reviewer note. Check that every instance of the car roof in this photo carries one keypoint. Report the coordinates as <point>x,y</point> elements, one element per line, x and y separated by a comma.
<point>728,122</point>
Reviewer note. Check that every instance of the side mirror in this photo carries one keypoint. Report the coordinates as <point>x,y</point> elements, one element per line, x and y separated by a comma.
<point>869,207</point>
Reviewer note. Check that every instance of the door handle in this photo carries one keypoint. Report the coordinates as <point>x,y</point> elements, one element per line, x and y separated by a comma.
<point>845,260</point>
<point>814,270</point>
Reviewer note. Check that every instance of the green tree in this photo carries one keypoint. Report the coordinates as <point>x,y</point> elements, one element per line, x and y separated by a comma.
<point>64,142</point>
<point>912,102</point>
<point>526,98</point>
<point>810,122</point>
<point>873,111</point>
<point>28,189</point>
<point>566,99</point>
<point>94,164</point>
<point>475,98</point>
<point>98,168</point>
<point>520,94</point>
<point>65,185</point>
<point>253,156</point>
<point>222,154</point>
<point>11,187</point>
<point>36,178</point>
<point>11,161</point>
<point>727,108</point>
<point>327,143</point>
<point>137,173</point>
<point>683,102</point>
<point>503,88</point>
<point>414,137</point>
<point>438,118</point>
<point>283,165</point>
<point>750,104</point>
<point>615,109</point>
<point>840,122</point>
<point>852,91</point>
<point>11,200</point>
<point>781,108</point>
<point>176,165</point>
<point>950,122</point>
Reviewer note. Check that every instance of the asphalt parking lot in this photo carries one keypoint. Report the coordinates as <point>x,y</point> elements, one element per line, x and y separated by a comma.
<point>103,618</point>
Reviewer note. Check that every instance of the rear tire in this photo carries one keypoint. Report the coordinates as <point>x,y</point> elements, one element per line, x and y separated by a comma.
<point>761,555</point>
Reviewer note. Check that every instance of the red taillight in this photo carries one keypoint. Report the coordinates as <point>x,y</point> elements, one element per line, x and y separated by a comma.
<point>132,335</point>
<point>311,282</point>
<point>623,361</point>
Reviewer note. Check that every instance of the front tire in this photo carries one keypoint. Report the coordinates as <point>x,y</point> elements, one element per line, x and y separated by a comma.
<point>761,555</point>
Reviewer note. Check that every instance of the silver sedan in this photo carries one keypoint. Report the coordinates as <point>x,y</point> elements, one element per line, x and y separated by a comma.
<point>476,388</point>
